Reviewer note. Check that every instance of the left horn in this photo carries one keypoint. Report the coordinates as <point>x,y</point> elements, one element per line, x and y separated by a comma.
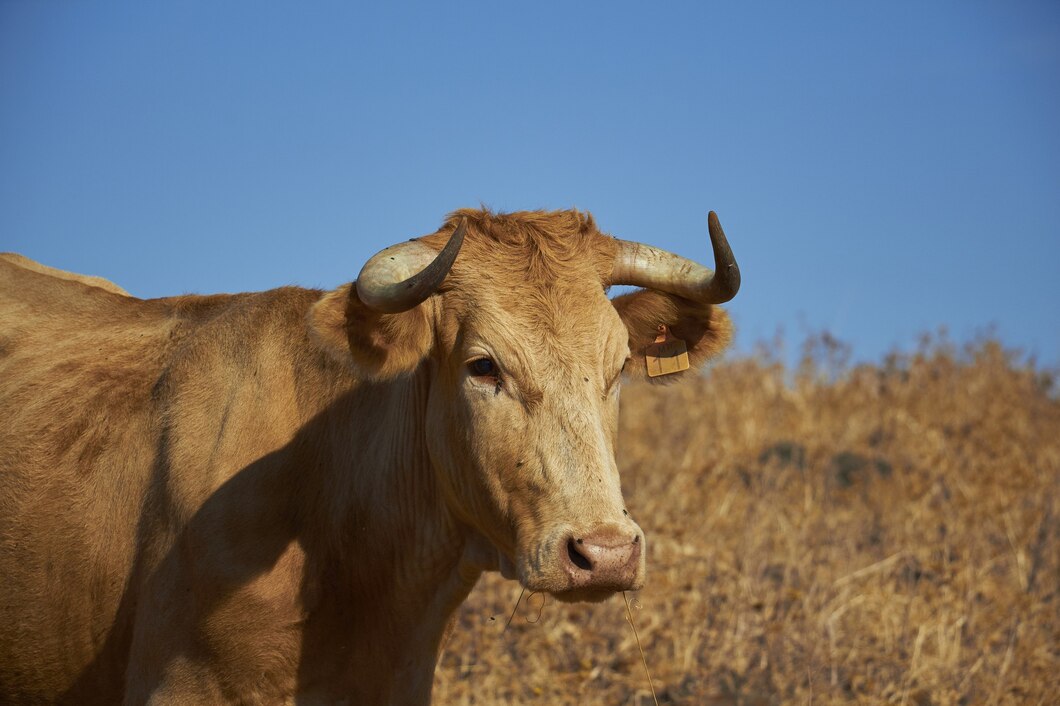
<point>402,276</point>
<point>644,266</point>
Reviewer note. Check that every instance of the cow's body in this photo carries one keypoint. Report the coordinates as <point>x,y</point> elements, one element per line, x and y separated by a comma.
<point>120,545</point>
<point>200,502</point>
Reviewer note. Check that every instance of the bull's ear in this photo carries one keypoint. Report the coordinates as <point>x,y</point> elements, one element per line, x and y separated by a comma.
<point>378,345</point>
<point>705,328</point>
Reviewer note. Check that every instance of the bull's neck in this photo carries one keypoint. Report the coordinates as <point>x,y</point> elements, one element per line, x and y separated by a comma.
<point>393,546</point>
<point>379,477</point>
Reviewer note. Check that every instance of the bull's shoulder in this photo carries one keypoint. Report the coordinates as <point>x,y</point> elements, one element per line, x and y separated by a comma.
<point>34,266</point>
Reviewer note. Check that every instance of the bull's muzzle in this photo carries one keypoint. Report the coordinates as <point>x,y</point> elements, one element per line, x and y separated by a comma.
<point>606,559</point>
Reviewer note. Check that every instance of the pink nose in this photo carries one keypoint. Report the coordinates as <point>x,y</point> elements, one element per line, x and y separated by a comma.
<point>607,559</point>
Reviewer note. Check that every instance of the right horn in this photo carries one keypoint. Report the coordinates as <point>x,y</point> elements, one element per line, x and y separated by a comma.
<point>644,266</point>
<point>402,276</point>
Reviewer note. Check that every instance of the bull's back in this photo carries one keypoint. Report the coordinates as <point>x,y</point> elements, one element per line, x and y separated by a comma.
<point>78,437</point>
<point>91,280</point>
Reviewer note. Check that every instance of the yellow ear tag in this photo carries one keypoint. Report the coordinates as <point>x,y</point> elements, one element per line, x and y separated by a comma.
<point>667,355</point>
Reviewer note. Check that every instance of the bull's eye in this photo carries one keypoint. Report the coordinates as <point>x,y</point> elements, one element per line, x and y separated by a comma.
<point>482,367</point>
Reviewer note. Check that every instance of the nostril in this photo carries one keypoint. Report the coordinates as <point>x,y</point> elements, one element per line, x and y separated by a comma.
<point>576,557</point>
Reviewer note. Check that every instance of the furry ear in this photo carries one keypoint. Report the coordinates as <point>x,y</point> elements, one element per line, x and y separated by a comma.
<point>379,345</point>
<point>704,328</point>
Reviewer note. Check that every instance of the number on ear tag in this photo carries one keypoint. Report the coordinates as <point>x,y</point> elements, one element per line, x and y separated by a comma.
<point>667,355</point>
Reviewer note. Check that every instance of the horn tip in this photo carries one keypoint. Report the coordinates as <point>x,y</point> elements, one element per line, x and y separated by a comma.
<point>727,277</point>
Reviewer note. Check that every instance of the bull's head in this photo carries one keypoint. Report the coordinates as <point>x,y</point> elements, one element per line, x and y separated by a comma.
<point>525,353</point>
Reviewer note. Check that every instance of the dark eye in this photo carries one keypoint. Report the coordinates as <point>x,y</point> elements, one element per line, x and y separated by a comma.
<point>481,367</point>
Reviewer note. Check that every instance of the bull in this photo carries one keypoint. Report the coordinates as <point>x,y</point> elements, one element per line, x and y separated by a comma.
<point>283,496</point>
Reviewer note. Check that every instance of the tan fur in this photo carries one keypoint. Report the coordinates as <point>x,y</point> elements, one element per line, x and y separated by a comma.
<point>90,280</point>
<point>283,496</point>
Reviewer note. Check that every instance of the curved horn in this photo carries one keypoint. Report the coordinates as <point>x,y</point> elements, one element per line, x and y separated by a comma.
<point>402,276</point>
<point>645,266</point>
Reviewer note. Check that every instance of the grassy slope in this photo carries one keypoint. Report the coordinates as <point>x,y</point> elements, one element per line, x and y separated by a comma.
<point>881,534</point>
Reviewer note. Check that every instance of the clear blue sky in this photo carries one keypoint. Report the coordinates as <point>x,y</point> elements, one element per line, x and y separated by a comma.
<point>881,169</point>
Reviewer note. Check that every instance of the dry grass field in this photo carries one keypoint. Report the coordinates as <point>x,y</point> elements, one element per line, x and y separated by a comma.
<point>833,534</point>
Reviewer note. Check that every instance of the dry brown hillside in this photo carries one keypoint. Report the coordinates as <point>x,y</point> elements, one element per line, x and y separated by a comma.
<point>877,534</point>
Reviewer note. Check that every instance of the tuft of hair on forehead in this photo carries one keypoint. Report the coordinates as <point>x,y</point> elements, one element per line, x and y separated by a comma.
<point>542,245</point>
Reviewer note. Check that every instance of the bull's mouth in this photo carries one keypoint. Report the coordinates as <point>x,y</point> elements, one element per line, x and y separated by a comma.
<point>583,595</point>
